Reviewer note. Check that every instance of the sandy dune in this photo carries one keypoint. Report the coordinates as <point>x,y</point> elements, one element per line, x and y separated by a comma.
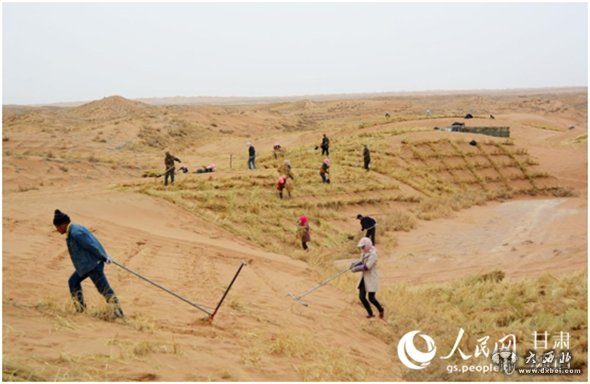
<point>185,255</point>
<point>259,333</point>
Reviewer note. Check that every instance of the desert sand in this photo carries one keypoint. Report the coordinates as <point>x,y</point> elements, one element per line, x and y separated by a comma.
<point>82,159</point>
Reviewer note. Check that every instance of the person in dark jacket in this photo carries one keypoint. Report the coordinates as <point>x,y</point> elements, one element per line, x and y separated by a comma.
<point>88,257</point>
<point>251,156</point>
<point>325,145</point>
<point>366,156</point>
<point>368,224</point>
<point>170,169</point>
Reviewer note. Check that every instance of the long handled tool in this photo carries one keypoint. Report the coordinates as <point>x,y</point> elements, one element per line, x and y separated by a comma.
<point>212,315</point>
<point>166,171</point>
<point>200,308</point>
<point>298,298</point>
<point>361,234</point>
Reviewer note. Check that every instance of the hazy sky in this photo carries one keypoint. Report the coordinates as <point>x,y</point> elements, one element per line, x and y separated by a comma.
<point>57,52</point>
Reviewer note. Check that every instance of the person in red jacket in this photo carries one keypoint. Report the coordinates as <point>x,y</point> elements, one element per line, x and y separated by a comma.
<point>281,184</point>
<point>303,231</point>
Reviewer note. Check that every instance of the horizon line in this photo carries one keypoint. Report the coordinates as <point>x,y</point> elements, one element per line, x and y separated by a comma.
<point>322,96</point>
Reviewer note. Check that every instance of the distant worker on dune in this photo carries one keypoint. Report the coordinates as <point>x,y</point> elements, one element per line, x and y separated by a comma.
<point>366,156</point>
<point>369,282</point>
<point>251,156</point>
<point>325,145</point>
<point>278,150</point>
<point>285,169</point>
<point>325,171</point>
<point>287,183</point>
<point>281,184</point>
<point>88,257</point>
<point>170,169</point>
<point>206,168</point>
<point>303,231</point>
<point>368,224</point>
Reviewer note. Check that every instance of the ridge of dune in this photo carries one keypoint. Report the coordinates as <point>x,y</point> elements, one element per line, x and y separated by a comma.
<point>110,107</point>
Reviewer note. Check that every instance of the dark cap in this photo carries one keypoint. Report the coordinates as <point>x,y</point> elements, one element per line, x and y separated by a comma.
<point>359,216</point>
<point>60,218</point>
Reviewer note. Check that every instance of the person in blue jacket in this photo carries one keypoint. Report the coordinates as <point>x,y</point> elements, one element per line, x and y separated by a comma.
<point>88,257</point>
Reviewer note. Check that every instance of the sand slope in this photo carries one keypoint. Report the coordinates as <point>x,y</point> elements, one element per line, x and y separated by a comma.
<point>259,334</point>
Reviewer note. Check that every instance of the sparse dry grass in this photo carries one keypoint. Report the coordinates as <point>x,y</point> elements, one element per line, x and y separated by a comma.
<point>316,361</point>
<point>129,350</point>
<point>141,323</point>
<point>66,367</point>
<point>103,311</point>
<point>60,310</point>
<point>543,126</point>
<point>483,305</point>
<point>581,139</point>
<point>486,305</point>
<point>247,204</point>
<point>15,370</point>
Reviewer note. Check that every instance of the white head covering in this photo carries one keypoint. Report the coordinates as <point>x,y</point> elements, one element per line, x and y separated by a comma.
<point>365,241</point>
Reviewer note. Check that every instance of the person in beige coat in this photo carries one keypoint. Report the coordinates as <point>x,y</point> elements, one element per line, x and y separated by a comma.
<point>369,282</point>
